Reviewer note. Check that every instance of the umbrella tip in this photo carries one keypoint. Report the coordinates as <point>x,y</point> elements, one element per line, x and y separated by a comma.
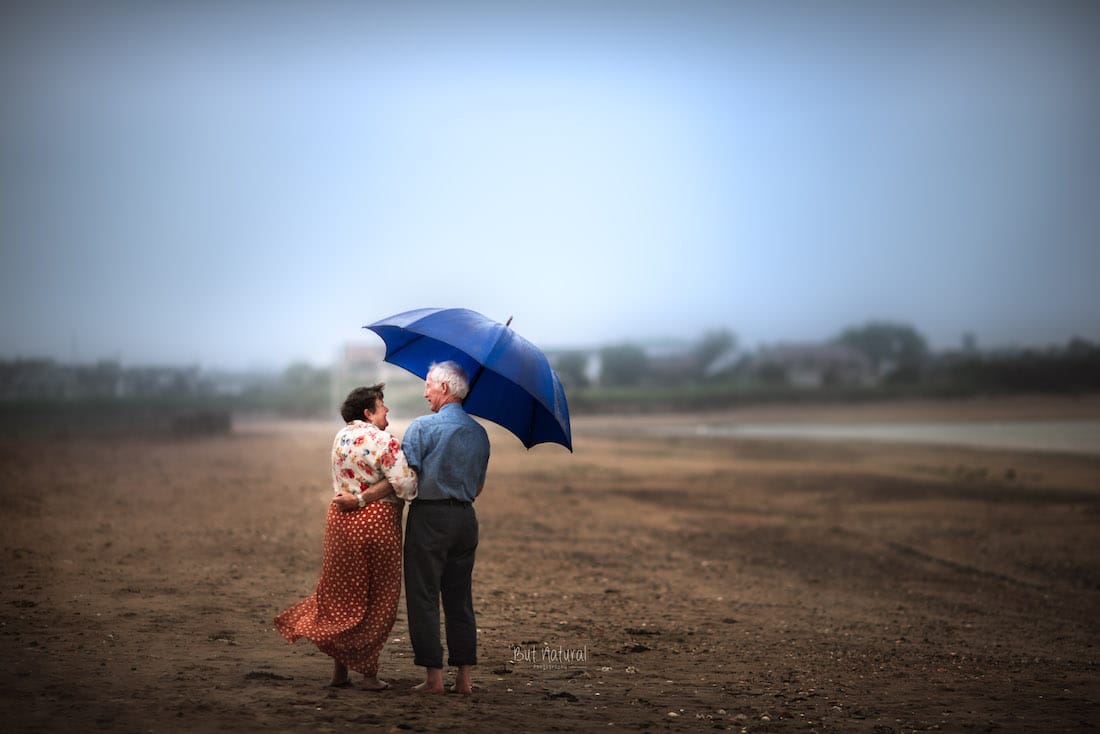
<point>508,322</point>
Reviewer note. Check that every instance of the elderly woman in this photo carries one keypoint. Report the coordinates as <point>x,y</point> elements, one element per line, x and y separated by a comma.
<point>350,615</point>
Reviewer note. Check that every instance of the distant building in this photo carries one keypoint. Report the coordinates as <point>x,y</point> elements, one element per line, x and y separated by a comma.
<point>815,365</point>
<point>670,368</point>
<point>157,382</point>
<point>726,363</point>
<point>364,364</point>
<point>34,379</point>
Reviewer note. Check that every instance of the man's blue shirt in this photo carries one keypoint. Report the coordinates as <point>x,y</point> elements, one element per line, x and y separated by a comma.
<point>449,451</point>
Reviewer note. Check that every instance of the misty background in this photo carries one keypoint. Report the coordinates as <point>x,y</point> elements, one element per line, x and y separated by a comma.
<point>245,186</point>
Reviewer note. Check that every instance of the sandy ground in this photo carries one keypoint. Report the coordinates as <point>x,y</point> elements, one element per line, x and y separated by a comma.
<point>743,585</point>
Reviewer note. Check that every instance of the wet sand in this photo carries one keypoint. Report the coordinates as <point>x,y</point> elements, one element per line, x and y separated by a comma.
<point>690,583</point>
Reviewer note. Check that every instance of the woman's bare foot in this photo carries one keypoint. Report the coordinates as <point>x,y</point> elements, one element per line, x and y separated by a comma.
<point>374,684</point>
<point>340,677</point>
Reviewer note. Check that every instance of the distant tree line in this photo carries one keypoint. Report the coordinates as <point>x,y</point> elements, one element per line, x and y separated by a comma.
<point>1072,368</point>
<point>876,359</point>
<point>872,357</point>
<point>42,396</point>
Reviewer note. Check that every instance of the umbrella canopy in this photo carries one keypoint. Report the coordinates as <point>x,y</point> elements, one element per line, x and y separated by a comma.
<point>511,381</point>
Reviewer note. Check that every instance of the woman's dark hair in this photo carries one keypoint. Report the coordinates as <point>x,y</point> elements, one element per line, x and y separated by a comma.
<point>360,399</point>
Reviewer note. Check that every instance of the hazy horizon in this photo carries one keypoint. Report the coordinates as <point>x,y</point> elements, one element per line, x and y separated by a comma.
<point>368,338</point>
<point>248,185</point>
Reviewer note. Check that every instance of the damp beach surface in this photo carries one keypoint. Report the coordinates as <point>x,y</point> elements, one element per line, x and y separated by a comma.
<point>648,581</point>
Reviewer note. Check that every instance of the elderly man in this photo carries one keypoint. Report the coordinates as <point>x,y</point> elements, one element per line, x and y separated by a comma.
<point>450,453</point>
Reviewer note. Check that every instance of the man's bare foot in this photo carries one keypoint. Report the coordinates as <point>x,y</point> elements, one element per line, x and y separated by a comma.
<point>464,683</point>
<point>433,681</point>
<point>374,684</point>
<point>427,687</point>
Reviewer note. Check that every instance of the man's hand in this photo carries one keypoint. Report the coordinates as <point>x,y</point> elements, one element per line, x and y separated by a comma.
<point>346,501</point>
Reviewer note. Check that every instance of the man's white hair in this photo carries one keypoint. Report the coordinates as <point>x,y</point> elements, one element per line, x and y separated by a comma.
<point>451,374</point>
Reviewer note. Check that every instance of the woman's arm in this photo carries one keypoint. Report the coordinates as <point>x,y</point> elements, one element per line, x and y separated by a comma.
<point>347,501</point>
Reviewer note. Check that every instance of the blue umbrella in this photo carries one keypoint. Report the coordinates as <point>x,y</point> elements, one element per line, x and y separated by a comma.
<point>511,382</point>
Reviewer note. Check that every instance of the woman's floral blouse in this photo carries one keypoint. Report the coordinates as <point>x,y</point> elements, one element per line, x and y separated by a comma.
<point>363,454</point>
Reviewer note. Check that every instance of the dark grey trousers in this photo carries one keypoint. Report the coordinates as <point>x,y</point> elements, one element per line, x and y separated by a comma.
<point>440,541</point>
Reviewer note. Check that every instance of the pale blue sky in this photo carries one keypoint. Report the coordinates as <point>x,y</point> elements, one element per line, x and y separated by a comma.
<point>249,187</point>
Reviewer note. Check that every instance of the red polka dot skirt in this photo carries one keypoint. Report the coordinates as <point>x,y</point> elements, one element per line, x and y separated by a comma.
<point>353,610</point>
